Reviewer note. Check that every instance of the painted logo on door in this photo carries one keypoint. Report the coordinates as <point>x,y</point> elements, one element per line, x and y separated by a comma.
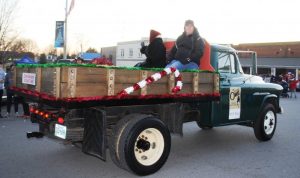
<point>234,103</point>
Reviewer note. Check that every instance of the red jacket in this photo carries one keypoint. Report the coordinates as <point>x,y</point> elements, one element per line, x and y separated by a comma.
<point>293,84</point>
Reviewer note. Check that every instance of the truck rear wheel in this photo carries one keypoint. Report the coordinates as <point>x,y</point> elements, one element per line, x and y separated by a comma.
<point>140,144</point>
<point>265,125</point>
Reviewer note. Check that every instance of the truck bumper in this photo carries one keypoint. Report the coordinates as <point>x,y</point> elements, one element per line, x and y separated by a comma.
<point>92,134</point>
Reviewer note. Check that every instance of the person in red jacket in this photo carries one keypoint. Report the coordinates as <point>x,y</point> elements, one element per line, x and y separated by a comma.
<point>293,87</point>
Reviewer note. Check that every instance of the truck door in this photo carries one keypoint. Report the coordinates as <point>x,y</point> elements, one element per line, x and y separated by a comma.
<point>228,110</point>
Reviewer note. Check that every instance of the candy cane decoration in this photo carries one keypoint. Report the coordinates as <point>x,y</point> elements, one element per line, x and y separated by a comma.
<point>154,78</point>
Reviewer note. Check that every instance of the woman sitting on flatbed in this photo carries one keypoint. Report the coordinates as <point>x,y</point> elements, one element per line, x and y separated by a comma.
<point>155,52</point>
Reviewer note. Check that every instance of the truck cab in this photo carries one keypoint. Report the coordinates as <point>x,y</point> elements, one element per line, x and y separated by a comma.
<point>243,96</point>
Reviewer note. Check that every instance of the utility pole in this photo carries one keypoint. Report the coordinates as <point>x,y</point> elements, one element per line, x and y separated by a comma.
<point>66,31</point>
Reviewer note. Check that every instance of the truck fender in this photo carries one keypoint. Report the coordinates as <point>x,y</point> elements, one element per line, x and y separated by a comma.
<point>271,98</point>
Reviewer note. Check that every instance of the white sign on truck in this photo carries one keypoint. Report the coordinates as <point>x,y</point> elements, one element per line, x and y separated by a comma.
<point>234,103</point>
<point>28,78</point>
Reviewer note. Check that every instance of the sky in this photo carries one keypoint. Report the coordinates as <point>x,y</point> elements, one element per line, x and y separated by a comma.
<point>99,23</point>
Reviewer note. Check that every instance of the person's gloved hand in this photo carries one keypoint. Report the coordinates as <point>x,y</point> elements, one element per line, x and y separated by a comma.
<point>185,61</point>
<point>143,49</point>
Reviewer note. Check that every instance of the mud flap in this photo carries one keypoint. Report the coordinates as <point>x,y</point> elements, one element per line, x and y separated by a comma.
<point>94,138</point>
<point>172,115</point>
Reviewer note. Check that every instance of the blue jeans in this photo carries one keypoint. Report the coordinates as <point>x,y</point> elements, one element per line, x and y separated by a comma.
<point>178,65</point>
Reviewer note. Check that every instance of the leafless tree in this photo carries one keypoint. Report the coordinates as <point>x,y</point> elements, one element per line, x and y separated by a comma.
<point>24,45</point>
<point>50,50</point>
<point>7,38</point>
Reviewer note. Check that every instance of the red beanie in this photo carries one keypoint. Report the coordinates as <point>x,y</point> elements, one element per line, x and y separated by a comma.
<point>153,35</point>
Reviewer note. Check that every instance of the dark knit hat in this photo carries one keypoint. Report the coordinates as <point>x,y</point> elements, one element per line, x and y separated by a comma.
<point>153,35</point>
<point>189,22</point>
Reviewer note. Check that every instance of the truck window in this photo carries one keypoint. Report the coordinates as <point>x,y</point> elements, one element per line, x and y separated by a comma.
<point>226,62</point>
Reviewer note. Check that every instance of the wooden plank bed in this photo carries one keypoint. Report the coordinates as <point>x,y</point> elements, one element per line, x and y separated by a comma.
<point>88,82</point>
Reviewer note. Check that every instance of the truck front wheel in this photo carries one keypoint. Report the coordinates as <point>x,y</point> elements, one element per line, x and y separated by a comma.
<point>140,144</point>
<point>265,125</point>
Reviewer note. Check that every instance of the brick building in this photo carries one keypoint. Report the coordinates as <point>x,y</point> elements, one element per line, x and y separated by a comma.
<point>273,58</point>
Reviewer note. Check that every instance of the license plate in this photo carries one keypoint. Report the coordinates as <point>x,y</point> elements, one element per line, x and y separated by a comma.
<point>60,131</point>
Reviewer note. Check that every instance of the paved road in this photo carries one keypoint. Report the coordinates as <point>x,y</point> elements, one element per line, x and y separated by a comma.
<point>229,151</point>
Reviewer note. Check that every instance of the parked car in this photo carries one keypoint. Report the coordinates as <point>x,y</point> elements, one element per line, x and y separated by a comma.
<point>65,61</point>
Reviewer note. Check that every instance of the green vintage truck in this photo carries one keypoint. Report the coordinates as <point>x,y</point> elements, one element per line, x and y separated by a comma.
<point>132,111</point>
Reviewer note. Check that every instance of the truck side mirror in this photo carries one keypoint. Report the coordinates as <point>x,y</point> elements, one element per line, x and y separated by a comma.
<point>223,78</point>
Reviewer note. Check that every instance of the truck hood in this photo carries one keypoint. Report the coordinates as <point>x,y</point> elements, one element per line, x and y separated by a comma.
<point>253,79</point>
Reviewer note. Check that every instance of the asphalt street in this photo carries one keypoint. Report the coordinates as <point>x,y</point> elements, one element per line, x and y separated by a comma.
<point>230,151</point>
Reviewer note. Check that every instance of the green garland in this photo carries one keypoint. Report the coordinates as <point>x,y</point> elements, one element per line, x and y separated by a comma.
<point>49,65</point>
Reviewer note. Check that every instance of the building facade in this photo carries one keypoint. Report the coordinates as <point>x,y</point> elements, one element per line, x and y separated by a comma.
<point>128,53</point>
<point>277,58</point>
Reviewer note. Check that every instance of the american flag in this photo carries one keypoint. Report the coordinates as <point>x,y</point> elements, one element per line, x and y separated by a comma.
<point>71,7</point>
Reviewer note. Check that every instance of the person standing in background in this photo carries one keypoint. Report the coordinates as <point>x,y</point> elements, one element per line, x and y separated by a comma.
<point>293,87</point>
<point>2,79</point>
<point>11,97</point>
<point>79,60</point>
<point>9,92</point>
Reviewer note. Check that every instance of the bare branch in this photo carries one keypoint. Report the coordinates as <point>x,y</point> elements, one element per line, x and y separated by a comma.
<point>7,14</point>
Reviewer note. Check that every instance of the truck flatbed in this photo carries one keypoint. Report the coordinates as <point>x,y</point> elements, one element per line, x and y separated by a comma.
<point>80,86</point>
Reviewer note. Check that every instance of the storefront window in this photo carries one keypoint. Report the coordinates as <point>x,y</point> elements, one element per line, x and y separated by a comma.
<point>264,71</point>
